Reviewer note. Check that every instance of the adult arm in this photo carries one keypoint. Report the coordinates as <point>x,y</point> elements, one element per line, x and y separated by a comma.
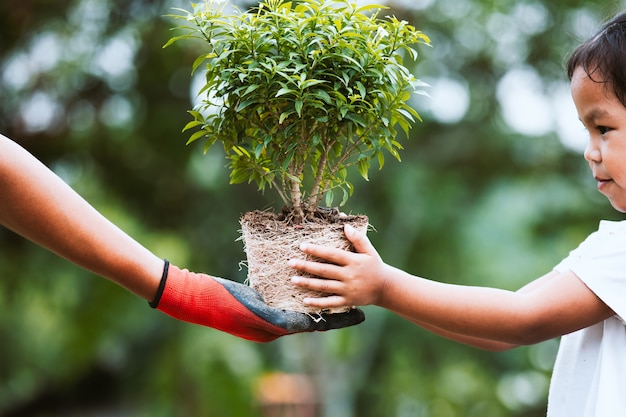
<point>37,204</point>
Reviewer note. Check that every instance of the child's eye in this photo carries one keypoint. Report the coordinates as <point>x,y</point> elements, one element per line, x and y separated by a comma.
<point>603,129</point>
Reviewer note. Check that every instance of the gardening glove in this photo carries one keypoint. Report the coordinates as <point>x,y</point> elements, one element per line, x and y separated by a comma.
<point>236,308</point>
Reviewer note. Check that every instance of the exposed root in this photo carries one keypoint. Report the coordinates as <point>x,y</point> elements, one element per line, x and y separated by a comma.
<point>269,242</point>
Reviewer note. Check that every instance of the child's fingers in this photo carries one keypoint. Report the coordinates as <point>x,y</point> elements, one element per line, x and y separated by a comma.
<point>316,284</point>
<point>337,256</point>
<point>314,268</point>
<point>359,240</point>
<point>326,302</point>
<point>334,255</point>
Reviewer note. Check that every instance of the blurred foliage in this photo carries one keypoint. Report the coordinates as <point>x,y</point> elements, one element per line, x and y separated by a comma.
<point>487,194</point>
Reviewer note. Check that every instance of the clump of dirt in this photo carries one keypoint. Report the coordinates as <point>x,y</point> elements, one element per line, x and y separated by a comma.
<point>271,239</point>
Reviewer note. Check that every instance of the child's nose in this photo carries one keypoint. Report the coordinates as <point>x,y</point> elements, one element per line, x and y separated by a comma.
<point>592,152</point>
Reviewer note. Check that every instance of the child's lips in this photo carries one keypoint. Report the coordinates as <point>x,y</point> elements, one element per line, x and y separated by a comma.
<point>602,182</point>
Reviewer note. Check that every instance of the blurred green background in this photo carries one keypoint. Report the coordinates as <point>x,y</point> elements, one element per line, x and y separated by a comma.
<point>492,190</point>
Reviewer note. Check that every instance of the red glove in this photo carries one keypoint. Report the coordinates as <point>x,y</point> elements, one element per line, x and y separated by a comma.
<point>236,308</point>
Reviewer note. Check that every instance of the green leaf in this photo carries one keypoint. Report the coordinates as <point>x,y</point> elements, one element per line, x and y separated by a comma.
<point>250,89</point>
<point>238,176</point>
<point>241,151</point>
<point>364,166</point>
<point>283,116</point>
<point>330,196</point>
<point>368,7</point>
<point>362,90</point>
<point>258,150</point>
<point>195,136</point>
<point>407,115</point>
<point>381,160</point>
<point>191,125</point>
<point>197,63</point>
<point>284,91</point>
<point>322,95</point>
<point>245,104</point>
<point>298,106</point>
<point>174,39</point>
<point>346,195</point>
<point>310,83</point>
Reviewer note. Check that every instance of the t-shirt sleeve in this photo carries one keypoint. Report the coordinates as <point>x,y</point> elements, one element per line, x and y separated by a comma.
<point>600,262</point>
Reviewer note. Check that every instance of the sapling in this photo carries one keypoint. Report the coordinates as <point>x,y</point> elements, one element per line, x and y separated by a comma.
<point>299,92</point>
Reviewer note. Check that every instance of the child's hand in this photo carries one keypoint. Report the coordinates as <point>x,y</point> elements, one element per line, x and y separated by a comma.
<point>351,279</point>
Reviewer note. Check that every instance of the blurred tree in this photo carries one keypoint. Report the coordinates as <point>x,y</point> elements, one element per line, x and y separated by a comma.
<point>492,190</point>
<point>87,88</point>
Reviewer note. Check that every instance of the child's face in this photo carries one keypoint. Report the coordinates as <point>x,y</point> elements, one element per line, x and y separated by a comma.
<point>604,116</point>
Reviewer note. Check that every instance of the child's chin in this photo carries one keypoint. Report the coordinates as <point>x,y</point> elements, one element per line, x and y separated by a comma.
<point>619,206</point>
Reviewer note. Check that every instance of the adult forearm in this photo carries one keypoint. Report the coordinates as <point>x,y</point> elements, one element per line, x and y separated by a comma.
<point>38,205</point>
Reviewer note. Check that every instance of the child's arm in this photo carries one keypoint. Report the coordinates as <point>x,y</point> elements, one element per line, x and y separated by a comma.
<point>38,205</point>
<point>551,306</point>
<point>476,342</point>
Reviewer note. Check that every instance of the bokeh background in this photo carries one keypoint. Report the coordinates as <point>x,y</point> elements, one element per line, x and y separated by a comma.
<point>492,190</point>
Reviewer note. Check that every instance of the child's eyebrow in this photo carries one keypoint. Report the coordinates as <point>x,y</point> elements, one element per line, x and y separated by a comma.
<point>594,114</point>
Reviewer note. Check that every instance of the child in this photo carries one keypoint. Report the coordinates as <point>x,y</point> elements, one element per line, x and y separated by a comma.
<point>582,299</point>
<point>38,205</point>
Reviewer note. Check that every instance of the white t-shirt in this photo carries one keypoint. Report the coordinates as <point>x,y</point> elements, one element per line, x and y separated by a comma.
<point>589,378</point>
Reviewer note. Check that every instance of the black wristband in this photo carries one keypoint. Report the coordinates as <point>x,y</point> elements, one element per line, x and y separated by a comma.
<point>155,303</point>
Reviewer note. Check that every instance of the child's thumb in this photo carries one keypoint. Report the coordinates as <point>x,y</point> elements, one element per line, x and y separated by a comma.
<point>359,239</point>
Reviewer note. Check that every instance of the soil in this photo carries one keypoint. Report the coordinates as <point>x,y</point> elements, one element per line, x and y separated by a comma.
<point>270,240</point>
<point>323,216</point>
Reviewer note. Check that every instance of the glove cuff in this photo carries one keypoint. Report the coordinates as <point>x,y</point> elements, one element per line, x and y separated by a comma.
<point>166,267</point>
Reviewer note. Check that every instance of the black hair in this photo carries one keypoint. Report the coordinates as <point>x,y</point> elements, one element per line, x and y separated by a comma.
<point>603,57</point>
